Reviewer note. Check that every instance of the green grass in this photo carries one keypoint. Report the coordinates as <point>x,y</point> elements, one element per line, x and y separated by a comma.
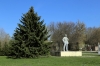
<point>85,60</point>
<point>52,61</point>
<point>89,53</point>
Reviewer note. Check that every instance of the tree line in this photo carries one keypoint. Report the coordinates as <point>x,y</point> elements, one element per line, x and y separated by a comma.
<point>77,32</point>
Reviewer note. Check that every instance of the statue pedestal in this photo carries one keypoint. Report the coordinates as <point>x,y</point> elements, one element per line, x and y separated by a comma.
<point>69,53</point>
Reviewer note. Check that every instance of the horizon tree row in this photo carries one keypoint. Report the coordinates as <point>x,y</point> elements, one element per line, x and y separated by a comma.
<point>76,32</point>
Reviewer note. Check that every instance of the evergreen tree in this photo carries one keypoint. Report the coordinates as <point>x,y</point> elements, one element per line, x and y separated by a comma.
<point>29,37</point>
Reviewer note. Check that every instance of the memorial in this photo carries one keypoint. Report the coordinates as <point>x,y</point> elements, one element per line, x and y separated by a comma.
<point>65,41</point>
<point>65,51</point>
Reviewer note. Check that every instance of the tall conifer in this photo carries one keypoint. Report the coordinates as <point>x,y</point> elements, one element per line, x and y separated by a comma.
<point>29,37</point>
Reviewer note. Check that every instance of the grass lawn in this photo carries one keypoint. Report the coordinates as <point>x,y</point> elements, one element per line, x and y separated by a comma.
<point>53,61</point>
<point>89,53</point>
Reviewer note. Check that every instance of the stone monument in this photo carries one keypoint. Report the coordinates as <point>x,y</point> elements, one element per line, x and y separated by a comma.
<point>66,52</point>
<point>65,41</point>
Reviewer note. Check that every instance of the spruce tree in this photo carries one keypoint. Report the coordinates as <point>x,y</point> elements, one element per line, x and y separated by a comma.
<point>29,37</point>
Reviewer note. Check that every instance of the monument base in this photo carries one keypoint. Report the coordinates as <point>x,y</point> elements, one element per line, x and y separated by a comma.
<point>69,53</point>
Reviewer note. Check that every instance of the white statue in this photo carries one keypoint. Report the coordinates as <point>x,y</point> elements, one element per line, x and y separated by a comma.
<point>65,41</point>
<point>98,48</point>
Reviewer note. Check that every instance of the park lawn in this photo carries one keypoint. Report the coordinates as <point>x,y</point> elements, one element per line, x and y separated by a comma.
<point>52,61</point>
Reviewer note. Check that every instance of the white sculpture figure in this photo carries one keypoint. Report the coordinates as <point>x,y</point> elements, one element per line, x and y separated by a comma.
<point>65,41</point>
<point>98,48</point>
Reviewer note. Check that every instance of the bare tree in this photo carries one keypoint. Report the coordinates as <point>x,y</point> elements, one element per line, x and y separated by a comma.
<point>94,36</point>
<point>58,30</point>
<point>79,34</point>
<point>4,37</point>
<point>74,31</point>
